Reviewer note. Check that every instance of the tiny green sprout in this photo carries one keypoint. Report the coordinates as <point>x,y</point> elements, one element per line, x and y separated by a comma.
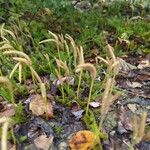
<point>92,70</point>
<point>58,129</point>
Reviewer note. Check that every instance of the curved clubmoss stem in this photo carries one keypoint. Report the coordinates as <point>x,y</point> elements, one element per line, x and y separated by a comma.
<point>4,135</point>
<point>35,74</point>
<point>100,145</point>
<point>43,92</point>
<point>62,88</point>
<point>63,94</point>
<point>89,98</point>
<point>79,83</point>
<point>132,146</point>
<point>58,51</point>
<point>13,135</point>
<point>42,87</point>
<point>101,122</point>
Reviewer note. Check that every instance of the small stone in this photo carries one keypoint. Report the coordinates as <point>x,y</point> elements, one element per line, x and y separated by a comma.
<point>63,146</point>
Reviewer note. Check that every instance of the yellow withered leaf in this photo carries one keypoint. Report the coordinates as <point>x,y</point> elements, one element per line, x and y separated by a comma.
<point>82,140</point>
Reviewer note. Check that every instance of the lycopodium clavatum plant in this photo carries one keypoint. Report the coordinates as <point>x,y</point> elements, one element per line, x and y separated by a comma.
<point>138,128</point>
<point>92,71</point>
<point>57,40</point>
<point>22,59</point>
<point>81,61</point>
<point>6,124</point>
<point>108,96</point>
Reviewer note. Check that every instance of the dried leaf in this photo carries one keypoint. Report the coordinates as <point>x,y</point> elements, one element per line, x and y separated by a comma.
<point>138,127</point>
<point>143,64</point>
<point>13,147</point>
<point>7,109</point>
<point>78,114</point>
<point>132,107</point>
<point>124,119</point>
<point>43,142</point>
<point>146,137</point>
<point>38,106</point>
<point>134,84</point>
<point>94,104</point>
<point>124,66</point>
<point>82,140</point>
<point>68,80</point>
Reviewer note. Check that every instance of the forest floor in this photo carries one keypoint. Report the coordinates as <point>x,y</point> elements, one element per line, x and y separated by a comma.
<point>47,103</point>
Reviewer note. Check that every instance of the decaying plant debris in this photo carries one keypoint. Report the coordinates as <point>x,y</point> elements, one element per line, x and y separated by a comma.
<point>74,75</point>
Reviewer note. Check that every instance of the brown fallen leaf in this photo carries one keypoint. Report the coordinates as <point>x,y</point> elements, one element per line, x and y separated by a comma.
<point>68,80</point>
<point>134,84</point>
<point>82,140</point>
<point>132,107</point>
<point>124,120</point>
<point>143,64</point>
<point>146,137</point>
<point>38,106</point>
<point>6,109</point>
<point>43,142</point>
<point>13,147</point>
<point>124,66</point>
